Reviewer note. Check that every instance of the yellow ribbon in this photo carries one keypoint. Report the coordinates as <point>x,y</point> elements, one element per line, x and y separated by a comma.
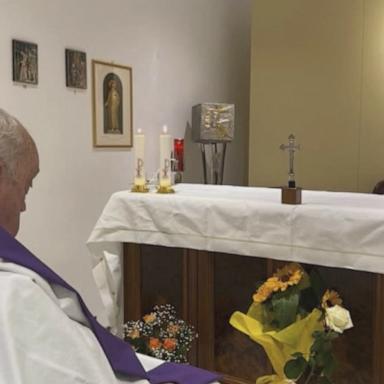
<point>273,379</point>
<point>278,345</point>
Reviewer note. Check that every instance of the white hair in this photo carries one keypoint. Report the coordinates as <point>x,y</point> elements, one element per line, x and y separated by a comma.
<point>15,142</point>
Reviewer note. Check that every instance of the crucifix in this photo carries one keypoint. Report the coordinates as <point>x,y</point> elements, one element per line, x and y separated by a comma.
<point>291,147</point>
<point>291,194</point>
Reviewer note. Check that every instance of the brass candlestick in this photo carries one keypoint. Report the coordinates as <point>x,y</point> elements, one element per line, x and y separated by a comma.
<point>165,189</point>
<point>165,185</point>
<point>140,184</point>
<point>140,188</point>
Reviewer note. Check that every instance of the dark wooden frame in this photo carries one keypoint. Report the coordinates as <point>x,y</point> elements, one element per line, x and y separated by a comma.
<point>80,80</point>
<point>16,75</point>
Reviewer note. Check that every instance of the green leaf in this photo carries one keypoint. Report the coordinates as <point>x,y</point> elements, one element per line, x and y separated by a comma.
<point>322,342</point>
<point>288,292</point>
<point>311,362</point>
<point>329,365</point>
<point>293,369</point>
<point>285,309</point>
<point>332,335</point>
<point>267,317</point>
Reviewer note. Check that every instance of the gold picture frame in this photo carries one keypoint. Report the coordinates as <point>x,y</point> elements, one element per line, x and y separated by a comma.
<point>112,105</point>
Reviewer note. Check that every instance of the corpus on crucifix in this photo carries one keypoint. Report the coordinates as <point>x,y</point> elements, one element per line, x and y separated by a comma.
<point>291,194</point>
<point>291,147</point>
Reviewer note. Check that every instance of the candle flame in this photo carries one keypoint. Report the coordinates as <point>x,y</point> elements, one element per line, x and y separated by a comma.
<point>165,129</point>
<point>139,130</point>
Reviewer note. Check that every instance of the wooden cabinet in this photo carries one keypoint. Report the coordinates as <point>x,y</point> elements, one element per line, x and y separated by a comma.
<point>206,288</point>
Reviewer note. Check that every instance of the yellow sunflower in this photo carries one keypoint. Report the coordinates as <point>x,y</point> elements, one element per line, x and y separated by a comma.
<point>273,283</point>
<point>289,275</point>
<point>331,298</point>
<point>262,293</point>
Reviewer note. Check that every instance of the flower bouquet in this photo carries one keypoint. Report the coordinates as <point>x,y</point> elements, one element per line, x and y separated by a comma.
<point>161,334</point>
<point>295,320</point>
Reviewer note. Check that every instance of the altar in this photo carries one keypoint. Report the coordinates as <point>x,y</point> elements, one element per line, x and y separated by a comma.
<point>204,248</point>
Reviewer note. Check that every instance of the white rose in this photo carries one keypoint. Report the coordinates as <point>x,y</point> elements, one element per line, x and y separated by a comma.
<point>338,318</point>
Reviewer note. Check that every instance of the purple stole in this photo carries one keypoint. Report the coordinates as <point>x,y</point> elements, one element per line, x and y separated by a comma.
<point>120,354</point>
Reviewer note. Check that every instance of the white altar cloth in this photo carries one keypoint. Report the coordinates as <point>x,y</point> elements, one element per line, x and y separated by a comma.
<point>329,228</point>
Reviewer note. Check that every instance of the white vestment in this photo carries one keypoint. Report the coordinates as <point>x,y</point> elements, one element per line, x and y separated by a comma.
<point>44,338</point>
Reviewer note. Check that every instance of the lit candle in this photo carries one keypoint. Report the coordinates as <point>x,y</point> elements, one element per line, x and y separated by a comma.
<point>165,158</point>
<point>139,158</point>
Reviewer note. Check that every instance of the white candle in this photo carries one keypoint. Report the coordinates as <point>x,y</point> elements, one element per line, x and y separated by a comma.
<point>165,158</point>
<point>139,140</point>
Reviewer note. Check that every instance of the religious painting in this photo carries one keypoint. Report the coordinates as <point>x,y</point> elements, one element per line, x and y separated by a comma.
<point>112,104</point>
<point>76,69</point>
<point>112,93</point>
<point>24,62</point>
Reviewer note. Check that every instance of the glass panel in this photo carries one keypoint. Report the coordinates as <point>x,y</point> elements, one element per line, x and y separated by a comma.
<point>235,281</point>
<point>161,269</point>
<point>354,349</point>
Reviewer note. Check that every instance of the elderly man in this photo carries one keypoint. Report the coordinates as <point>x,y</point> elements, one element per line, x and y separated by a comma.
<point>47,334</point>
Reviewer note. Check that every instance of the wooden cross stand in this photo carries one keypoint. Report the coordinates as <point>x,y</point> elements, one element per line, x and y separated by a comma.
<point>291,194</point>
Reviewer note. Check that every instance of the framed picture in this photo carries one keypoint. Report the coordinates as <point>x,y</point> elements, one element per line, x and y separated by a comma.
<point>24,62</point>
<point>112,105</point>
<point>76,69</point>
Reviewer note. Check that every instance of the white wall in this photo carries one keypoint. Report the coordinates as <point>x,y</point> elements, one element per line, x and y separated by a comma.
<point>182,53</point>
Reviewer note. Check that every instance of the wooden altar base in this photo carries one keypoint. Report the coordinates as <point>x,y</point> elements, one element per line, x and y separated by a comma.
<point>206,288</point>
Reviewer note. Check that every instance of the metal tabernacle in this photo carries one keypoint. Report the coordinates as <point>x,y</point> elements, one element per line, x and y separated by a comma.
<point>213,127</point>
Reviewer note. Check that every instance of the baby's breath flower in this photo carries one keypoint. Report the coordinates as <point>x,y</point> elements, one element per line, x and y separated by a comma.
<point>161,334</point>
